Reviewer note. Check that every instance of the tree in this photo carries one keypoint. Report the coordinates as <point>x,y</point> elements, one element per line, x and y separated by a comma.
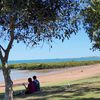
<point>33,22</point>
<point>91,22</point>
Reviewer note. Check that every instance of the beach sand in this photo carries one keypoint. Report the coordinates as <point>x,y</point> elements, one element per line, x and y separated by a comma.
<point>64,74</point>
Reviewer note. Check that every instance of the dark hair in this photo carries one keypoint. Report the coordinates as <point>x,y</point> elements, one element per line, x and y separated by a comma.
<point>34,77</point>
<point>29,79</point>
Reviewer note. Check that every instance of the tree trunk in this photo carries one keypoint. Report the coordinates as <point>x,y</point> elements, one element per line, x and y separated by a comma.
<point>8,82</point>
<point>4,54</point>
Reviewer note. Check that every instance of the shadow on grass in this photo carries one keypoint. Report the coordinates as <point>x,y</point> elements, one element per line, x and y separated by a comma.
<point>62,92</point>
<point>1,96</point>
<point>74,92</point>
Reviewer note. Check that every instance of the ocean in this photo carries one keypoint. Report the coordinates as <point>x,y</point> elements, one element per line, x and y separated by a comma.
<point>53,60</point>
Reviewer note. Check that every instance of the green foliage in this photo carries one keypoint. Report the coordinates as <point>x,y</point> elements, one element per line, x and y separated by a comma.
<point>38,20</point>
<point>37,66</point>
<point>91,22</point>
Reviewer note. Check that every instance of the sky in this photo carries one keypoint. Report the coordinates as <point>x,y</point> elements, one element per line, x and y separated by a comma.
<point>77,46</point>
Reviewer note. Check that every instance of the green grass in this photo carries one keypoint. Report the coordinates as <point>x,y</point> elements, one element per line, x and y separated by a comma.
<point>84,89</point>
<point>37,66</point>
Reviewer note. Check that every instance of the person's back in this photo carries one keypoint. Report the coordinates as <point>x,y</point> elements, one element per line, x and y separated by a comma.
<point>31,87</point>
<point>36,83</point>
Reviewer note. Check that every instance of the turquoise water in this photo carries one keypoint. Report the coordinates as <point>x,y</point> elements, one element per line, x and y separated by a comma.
<point>54,60</point>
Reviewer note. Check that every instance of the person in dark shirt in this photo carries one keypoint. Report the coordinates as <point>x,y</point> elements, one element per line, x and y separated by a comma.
<point>36,83</point>
<point>30,88</point>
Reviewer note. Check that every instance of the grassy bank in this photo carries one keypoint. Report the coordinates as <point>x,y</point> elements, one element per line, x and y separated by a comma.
<point>37,66</point>
<point>84,89</point>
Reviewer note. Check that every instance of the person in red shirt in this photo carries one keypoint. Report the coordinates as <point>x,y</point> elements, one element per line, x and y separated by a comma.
<point>30,88</point>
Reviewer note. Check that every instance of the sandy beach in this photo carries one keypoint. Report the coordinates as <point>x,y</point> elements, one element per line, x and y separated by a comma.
<point>73,73</point>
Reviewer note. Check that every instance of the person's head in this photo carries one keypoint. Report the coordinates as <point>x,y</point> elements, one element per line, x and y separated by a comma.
<point>29,80</point>
<point>34,77</point>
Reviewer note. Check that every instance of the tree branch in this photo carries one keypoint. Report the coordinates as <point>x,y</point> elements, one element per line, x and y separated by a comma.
<point>2,48</point>
<point>11,36</point>
<point>5,58</point>
<point>1,56</point>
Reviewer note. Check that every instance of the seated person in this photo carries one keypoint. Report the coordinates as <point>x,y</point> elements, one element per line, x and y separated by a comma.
<point>36,83</point>
<point>30,88</point>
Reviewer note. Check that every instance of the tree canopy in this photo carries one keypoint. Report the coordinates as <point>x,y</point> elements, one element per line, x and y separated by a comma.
<point>91,22</point>
<point>38,20</point>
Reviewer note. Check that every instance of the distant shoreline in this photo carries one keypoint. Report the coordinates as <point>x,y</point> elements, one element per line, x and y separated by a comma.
<point>50,65</point>
<point>53,60</point>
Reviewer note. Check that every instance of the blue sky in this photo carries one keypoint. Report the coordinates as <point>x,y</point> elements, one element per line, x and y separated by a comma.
<point>77,46</point>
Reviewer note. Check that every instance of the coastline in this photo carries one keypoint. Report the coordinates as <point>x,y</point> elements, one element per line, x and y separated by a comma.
<point>64,74</point>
